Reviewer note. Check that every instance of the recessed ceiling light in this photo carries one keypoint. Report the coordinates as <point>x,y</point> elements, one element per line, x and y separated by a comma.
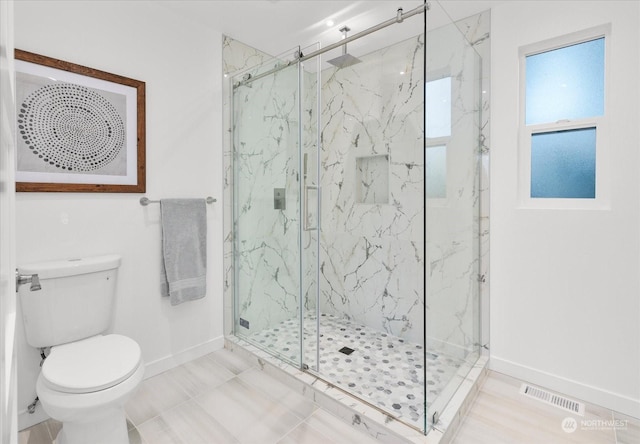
<point>330,23</point>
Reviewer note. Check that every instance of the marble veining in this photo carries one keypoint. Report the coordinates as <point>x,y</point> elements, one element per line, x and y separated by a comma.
<point>265,129</point>
<point>372,257</point>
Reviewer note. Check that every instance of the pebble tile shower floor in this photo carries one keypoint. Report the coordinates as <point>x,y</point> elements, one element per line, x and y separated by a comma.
<point>385,370</point>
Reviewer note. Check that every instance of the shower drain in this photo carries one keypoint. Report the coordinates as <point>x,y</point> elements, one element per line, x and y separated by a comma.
<point>346,350</point>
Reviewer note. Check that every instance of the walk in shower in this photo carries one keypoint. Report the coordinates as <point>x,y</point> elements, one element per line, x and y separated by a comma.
<point>356,196</point>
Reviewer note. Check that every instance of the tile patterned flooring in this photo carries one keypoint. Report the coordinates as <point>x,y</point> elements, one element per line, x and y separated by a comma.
<point>220,398</point>
<point>384,369</point>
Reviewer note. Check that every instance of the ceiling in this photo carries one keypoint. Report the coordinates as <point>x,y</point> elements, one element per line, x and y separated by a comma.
<point>277,26</point>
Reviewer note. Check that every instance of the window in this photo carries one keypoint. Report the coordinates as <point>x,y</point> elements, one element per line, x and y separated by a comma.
<point>438,108</point>
<point>563,118</point>
<point>436,172</point>
<point>565,83</point>
<point>438,133</point>
<point>563,164</point>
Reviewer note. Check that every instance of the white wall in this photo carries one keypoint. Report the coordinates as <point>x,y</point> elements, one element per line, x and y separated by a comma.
<point>180,63</point>
<point>565,304</point>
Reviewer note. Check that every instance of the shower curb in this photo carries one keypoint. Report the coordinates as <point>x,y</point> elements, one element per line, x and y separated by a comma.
<point>361,415</point>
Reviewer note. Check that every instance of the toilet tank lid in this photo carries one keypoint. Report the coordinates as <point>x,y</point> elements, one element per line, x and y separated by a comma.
<point>71,267</point>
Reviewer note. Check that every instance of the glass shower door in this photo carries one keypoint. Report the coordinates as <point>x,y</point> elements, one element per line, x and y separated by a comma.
<point>371,254</point>
<point>267,207</point>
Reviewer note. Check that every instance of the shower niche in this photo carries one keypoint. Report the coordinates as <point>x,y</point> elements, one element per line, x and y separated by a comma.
<point>372,179</point>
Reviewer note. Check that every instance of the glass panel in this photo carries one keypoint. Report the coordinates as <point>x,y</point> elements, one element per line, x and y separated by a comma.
<point>436,172</point>
<point>565,83</point>
<point>452,296</point>
<point>267,209</point>
<point>438,107</point>
<point>563,164</point>
<point>371,301</point>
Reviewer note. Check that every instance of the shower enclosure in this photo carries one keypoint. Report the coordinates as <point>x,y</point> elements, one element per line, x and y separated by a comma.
<point>356,215</point>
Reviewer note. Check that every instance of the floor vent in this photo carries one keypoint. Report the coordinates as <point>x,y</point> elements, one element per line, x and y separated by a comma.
<point>550,398</point>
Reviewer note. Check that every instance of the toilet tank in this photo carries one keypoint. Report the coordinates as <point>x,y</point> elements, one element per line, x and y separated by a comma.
<point>76,300</point>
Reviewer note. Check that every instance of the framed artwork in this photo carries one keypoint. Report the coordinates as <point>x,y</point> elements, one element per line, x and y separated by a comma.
<point>79,129</point>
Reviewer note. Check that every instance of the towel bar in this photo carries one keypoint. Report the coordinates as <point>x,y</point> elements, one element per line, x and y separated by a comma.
<point>144,201</point>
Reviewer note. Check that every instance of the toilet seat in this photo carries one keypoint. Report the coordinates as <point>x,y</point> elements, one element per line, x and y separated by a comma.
<point>92,364</point>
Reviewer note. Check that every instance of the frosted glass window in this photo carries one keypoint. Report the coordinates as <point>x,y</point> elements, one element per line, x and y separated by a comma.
<point>438,108</point>
<point>565,83</point>
<point>563,164</point>
<point>436,172</point>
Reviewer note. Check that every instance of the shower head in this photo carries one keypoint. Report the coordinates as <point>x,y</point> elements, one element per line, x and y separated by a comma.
<point>345,59</point>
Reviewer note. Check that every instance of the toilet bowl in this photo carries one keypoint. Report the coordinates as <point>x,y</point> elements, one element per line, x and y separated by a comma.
<point>85,385</point>
<point>88,375</point>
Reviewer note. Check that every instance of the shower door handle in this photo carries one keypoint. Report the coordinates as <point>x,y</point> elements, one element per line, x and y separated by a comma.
<point>307,223</point>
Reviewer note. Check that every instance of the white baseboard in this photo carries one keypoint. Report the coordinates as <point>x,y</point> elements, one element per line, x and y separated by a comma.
<point>167,363</point>
<point>594,395</point>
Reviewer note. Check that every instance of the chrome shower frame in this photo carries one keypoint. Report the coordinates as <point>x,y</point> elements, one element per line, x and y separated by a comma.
<point>299,57</point>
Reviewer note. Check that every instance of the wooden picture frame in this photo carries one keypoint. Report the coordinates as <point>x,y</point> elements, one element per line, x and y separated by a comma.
<point>79,129</point>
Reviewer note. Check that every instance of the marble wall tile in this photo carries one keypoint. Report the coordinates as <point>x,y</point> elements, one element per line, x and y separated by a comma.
<point>477,31</point>
<point>363,276</point>
<point>453,223</point>
<point>266,129</point>
<point>236,57</point>
<point>370,262</point>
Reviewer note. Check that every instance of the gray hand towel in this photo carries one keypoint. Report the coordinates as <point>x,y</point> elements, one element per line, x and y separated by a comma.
<point>184,249</point>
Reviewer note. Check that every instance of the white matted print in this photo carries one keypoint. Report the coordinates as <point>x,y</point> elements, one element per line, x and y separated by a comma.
<point>78,129</point>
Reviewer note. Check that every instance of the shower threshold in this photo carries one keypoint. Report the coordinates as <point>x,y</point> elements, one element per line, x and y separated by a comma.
<point>378,387</point>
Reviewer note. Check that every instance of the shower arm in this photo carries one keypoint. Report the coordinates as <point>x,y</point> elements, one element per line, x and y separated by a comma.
<point>344,31</point>
<point>399,18</point>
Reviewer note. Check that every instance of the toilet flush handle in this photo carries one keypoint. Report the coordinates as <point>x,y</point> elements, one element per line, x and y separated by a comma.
<point>32,279</point>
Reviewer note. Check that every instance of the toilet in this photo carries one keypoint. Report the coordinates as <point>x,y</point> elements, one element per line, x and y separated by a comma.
<point>88,375</point>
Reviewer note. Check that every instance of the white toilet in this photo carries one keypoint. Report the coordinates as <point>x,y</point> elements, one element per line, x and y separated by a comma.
<point>88,376</point>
